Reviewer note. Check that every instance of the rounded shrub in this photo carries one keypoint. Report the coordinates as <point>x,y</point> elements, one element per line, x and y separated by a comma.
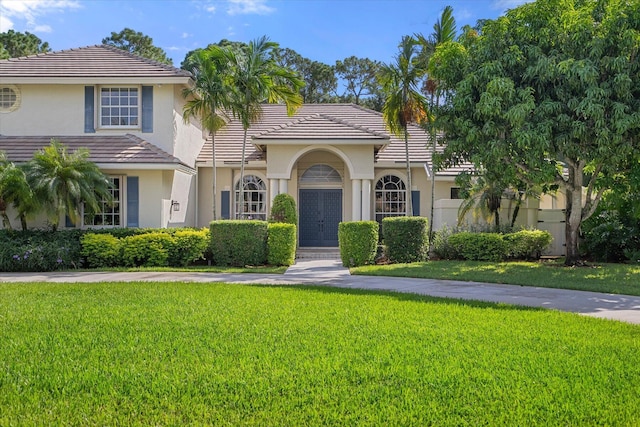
<point>189,246</point>
<point>100,250</point>
<point>479,246</point>
<point>281,244</point>
<point>40,250</point>
<point>406,238</point>
<point>527,244</point>
<point>148,250</point>
<point>358,241</point>
<point>283,209</point>
<point>239,242</point>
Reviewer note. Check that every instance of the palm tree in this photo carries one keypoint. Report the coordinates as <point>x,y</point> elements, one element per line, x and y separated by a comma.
<point>484,196</point>
<point>404,104</point>
<point>14,191</point>
<point>257,78</point>
<point>209,97</point>
<point>65,183</point>
<point>444,30</point>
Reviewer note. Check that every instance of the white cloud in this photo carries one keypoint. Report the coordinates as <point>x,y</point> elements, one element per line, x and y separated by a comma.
<point>246,7</point>
<point>210,9</point>
<point>29,11</point>
<point>186,35</point>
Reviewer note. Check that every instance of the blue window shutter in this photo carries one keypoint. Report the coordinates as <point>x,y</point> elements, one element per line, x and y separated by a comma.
<point>415,203</point>
<point>225,205</point>
<point>147,109</point>
<point>133,201</point>
<point>89,100</point>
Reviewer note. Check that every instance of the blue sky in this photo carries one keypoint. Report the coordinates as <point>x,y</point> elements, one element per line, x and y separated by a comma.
<point>322,30</point>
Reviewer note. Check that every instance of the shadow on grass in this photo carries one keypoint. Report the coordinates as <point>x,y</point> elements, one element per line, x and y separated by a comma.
<point>404,296</point>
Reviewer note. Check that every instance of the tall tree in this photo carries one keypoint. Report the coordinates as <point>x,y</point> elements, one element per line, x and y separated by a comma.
<point>66,183</point>
<point>444,31</point>
<point>320,79</point>
<point>209,97</point>
<point>360,76</point>
<point>14,191</point>
<point>552,91</point>
<point>15,44</point>
<point>404,104</point>
<point>257,78</point>
<point>138,44</point>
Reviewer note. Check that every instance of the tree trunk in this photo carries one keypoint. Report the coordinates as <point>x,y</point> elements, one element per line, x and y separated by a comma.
<point>406,154</point>
<point>241,182</point>
<point>23,222</point>
<point>573,215</point>
<point>215,179</point>
<point>432,132</point>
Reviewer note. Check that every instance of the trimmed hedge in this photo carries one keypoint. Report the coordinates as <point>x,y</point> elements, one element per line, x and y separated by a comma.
<point>479,246</point>
<point>239,242</point>
<point>148,250</point>
<point>188,246</point>
<point>39,250</point>
<point>527,244</point>
<point>358,242</point>
<point>406,238</point>
<point>101,250</point>
<point>281,244</point>
<point>283,209</point>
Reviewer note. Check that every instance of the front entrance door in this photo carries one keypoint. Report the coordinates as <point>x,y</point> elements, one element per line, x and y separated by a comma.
<point>320,214</point>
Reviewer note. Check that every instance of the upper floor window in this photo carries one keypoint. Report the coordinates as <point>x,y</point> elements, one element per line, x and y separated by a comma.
<point>9,98</point>
<point>391,197</point>
<point>254,205</point>
<point>119,106</point>
<point>110,213</point>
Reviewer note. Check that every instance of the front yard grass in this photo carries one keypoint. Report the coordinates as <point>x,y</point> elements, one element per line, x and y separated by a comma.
<point>217,354</point>
<point>609,278</point>
<point>269,269</point>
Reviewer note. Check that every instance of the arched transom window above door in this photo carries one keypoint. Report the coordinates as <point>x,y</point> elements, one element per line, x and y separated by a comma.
<point>255,199</point>
<point>321,174</point>
<point>391,197</point>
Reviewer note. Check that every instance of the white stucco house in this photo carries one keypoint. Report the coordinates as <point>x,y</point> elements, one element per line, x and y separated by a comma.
<point>338,161</point>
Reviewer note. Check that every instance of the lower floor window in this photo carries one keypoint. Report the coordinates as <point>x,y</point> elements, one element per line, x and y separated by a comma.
<point>391,197</point>
<point>252,202</point>
<point>110,211</point>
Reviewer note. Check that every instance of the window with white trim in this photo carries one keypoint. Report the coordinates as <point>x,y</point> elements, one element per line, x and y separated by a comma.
<point>9,98</point>
<point>110,212</point>
<point>391,197</point>
<point>119,107</point>
<point>255,199</point>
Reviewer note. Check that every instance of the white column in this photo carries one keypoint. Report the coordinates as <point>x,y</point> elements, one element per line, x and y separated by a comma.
<point>273,189</point>
<point>366,200</point>
<point>284,183</point>
<point>356,188</point>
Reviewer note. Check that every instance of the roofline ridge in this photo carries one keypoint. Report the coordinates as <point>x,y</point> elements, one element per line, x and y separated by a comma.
<point>143,59</point>
<point>152,147</point>
<point>354,126</point>
<point>285,125</point>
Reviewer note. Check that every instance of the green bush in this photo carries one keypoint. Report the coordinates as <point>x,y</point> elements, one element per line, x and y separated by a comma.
<point>479,246</point>
<point>610,239</point>
<point>283,209</point>
<point>527,244</point>
<point>239,242</point>
<point>406,238</point>
<point>441,246</point>
<point>358,242</point>
<point>188,246</point>
<point>148,250</point>
<point>40,250</point>
<point>281,244</point>
<point>100,250</point>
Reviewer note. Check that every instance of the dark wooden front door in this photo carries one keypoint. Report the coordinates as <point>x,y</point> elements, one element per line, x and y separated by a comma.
<point>320,214</point>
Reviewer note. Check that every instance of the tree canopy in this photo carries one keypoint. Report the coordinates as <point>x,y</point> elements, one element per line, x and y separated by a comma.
<point>138,44</point>
<point>550,93</point>
<point>14,44</point>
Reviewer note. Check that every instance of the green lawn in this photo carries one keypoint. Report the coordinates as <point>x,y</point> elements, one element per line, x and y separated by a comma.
<point>199,269</point>
<point>218,354</point>
<point>609,278</point>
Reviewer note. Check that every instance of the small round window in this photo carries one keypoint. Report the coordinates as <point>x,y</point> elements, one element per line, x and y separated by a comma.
<point>9,98</point>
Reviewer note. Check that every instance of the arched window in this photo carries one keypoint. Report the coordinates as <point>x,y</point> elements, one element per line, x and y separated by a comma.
<point>255,199</point>
<point>321,174</point>
<point>391,197</point>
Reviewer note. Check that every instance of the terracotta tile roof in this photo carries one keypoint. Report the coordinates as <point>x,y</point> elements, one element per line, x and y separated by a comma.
<point>103,149</point>
<point>320,124</point>
<point>91,61</point>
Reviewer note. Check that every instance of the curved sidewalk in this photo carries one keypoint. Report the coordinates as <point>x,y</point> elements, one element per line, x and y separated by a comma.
<point>331,273</point>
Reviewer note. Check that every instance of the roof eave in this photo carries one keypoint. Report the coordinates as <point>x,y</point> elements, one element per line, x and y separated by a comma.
<point>181,80</point>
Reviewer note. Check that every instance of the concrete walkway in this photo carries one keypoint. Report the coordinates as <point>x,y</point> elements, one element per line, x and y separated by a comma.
<point>331,273</point>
